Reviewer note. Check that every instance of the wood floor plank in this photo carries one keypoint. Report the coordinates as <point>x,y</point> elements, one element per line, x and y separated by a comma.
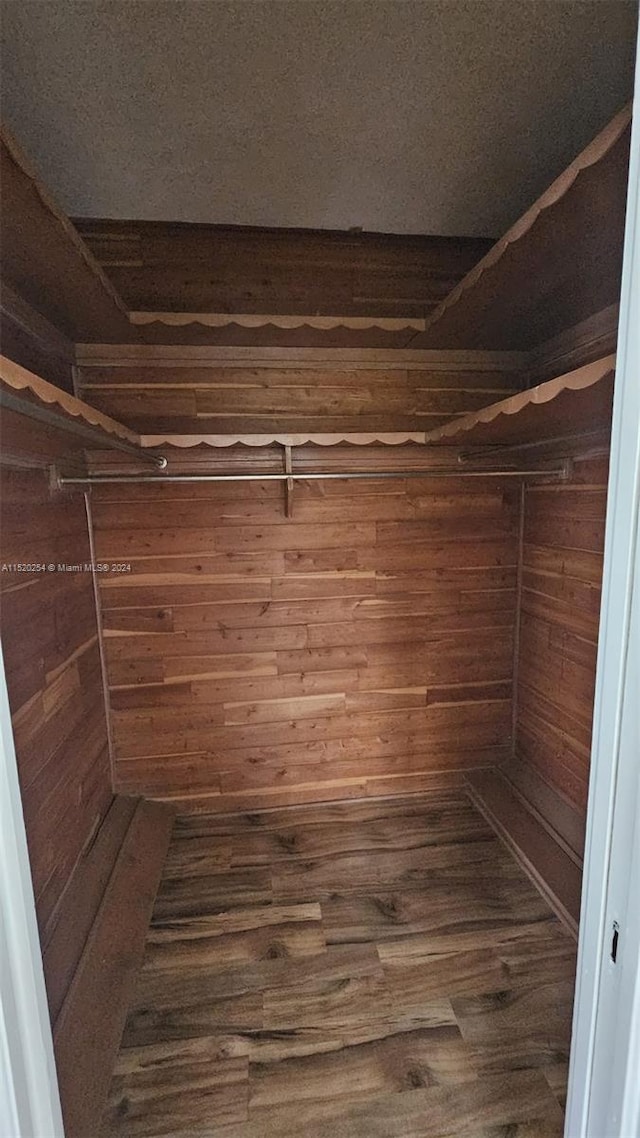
<point>379,969</point>
<point>480,907</point>
<point>461,1110</point>
<point>190,895</point>
<point>521,947</point>
<point>199,1082</point>
<point>412,869</point>
<point>217,1017</point>
<point>319,814</point>
<point>398,1063</point>
<point>202,942</point>
<point>296,842</point>
<point>458,973</point>
<point>190,986</point>
<point>533,1013</point>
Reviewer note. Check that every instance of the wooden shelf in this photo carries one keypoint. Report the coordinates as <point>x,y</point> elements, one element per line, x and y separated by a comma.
<point>286,323</point>
<point>363,438</point>
<point>556,266</point>
<point>26,394</point>
<point>45,259</point>
<point>572,405</point>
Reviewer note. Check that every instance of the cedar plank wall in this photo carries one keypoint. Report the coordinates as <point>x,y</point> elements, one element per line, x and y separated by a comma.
<point>252,394</point>
<point>54,680</point>
<point>560,605</point>
<point>165,266</point>
<point>363,647</point>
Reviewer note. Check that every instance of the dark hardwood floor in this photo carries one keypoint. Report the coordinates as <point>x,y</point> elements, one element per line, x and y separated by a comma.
<point>376,969</point>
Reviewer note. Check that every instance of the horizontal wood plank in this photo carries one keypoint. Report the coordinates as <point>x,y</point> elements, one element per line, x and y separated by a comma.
<point>364,644</point>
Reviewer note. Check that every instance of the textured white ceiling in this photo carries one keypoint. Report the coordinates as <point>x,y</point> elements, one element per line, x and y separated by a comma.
<point>408,116</point>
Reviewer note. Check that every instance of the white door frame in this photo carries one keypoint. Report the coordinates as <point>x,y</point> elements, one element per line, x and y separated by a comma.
<point>29,1100</point>
<point>604,1081</point>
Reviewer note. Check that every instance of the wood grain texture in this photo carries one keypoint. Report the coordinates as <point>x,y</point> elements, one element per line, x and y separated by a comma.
<point>565,822</point>
<point>52,662</point>
<point>89,1027</point>
<point>384,391</point>
<point>554,267</point>
<point>429,997</point>
<point>81,840</point>
<point>577,403</point>
<point>33,342</point>
<point>216,268</point>
<point>561,578</point>
<point>363,647</point>
<point>39,393</point>
<point>550,867</point>
<point>45,259</point>
<point>81,901</point>
<point>582,343</point>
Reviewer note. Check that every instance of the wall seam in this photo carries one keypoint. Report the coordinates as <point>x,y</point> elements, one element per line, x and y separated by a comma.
<point>517,624</point>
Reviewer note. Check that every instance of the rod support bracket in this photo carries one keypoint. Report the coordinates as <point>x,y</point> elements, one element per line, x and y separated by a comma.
<point>288,486</point>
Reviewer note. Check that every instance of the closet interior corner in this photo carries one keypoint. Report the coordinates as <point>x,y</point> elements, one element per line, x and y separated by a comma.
<point>300,623</point>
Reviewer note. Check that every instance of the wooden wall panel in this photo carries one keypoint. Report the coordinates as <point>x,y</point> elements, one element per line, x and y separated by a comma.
<point>52,660</point>
<point>46,261</point>
<point>375,393</point>
<point>32,341</point>
<point>560,606</point>
<point>217,268</point>
<point>363,647</point>
<point>560,263</point>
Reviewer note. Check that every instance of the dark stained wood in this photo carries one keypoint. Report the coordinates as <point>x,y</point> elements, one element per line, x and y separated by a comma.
<point>89,1027</point>
<point>560,605</point>
<point>550,867</point>
<point>81,901</point>
<point>558,265</point>
<point>362,647</point>
<point>565,822</point>
<point>32,341</point>
<point>215,268</point>
<point>46,261</point>
<point>394,1003</point>
<point>583,343</point>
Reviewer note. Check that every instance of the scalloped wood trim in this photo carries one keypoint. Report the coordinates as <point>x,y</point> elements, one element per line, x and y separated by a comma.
<point>356,439</point>
<point>593,153</point>
<point>36,389</point>
<point>578,380</point>
<point>252,320</point>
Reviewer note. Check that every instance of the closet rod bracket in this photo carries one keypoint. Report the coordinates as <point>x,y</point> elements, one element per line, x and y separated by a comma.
<point>288,486</point>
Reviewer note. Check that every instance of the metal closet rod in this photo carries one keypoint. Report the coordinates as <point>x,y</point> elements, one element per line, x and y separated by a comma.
<point>301,476</point>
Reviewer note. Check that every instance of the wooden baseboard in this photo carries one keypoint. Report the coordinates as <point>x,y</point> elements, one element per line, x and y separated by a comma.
<point>89,1026</point>
<point>422,782</point>
<point>564,821</point>
<point>64,940</point>
<point>549,866</point>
